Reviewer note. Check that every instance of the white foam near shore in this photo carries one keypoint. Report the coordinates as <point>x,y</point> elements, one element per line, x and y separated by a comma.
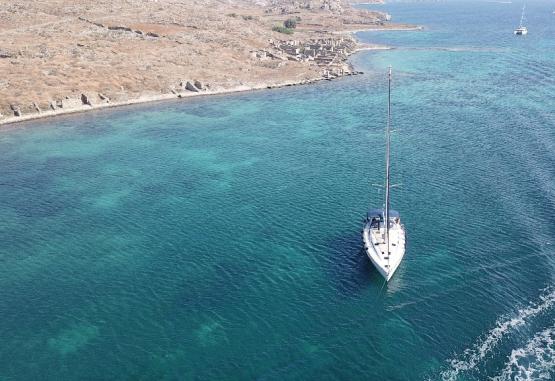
<point>473,356</point>
<point>534,361</point>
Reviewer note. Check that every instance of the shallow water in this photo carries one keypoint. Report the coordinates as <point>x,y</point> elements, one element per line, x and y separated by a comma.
<point>218,238</point>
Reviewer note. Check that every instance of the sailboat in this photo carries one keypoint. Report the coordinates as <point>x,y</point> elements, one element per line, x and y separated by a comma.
<point>521,30</point>
<point>383,233</point>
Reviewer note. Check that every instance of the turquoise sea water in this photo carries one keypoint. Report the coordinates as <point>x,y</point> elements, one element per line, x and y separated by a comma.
<point>219,238</point>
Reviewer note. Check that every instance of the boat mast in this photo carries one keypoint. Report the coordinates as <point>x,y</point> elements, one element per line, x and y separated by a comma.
<point>388,140</point>
<point>522,16</point>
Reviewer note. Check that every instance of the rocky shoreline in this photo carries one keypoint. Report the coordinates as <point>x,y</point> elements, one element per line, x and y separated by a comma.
<point>85,104</point>
<point>85,107</point>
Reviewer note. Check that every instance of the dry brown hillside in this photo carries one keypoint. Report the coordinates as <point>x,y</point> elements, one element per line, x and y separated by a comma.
<point>61,54</point>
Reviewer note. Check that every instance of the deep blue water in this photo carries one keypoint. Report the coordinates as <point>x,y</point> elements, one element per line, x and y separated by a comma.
<point>218,238</point>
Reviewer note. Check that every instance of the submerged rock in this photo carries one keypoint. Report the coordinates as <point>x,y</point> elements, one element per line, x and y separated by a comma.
<point>72,338</point>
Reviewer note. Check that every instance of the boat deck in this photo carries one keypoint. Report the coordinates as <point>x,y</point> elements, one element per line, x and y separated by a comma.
<point>378,240</point>
<point>376,247</point>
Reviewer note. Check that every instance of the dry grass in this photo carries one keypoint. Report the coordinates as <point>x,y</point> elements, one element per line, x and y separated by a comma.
<point>53,49</point>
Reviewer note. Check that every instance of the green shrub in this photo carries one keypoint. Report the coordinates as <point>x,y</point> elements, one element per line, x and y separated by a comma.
<point>290,23</point>
<point>282,29</point>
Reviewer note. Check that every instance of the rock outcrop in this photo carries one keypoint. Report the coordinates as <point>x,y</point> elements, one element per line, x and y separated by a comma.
<point>16,110</point>
<point>124,28</point>
<point>189,86</point>
<point>86,100</point>
<point>5,54</point>
<point>104,98</point>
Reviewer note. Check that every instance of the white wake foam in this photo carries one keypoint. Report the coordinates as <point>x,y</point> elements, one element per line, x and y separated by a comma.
<point>534,361</point>
<point>474,355</point>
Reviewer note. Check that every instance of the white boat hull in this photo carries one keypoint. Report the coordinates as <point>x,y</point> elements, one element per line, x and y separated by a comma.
<point>376,247</point>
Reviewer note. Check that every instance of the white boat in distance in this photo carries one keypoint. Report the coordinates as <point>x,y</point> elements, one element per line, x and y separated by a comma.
<point>383,234</point>
<point>521,30</point>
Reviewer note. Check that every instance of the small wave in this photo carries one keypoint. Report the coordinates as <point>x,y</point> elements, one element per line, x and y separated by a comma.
<point>534,361</point>
<point>473,356</point>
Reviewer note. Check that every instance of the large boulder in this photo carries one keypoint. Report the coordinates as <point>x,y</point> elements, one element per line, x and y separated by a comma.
<point>86,100</point>
<point>104,98</point>
<point>198,85</point>
<point>16,110</point>
<point>189,86</point>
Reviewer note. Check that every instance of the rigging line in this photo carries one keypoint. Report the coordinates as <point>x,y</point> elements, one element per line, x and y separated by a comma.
<point>383,285</point>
